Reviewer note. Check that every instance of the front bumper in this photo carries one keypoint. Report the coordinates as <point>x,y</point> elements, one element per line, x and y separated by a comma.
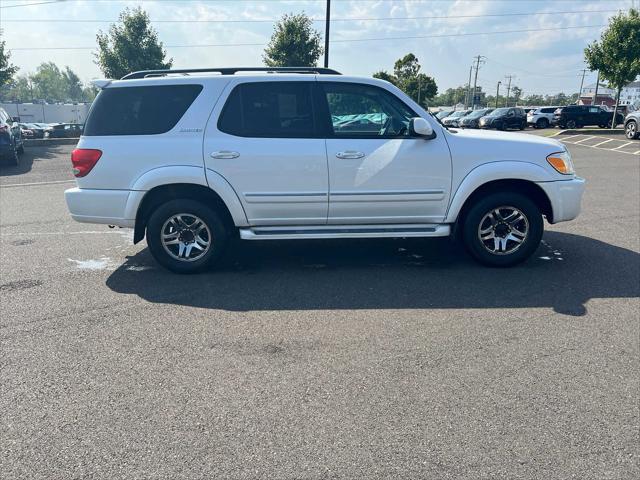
<point>101,206</point>
<point>565,197</point>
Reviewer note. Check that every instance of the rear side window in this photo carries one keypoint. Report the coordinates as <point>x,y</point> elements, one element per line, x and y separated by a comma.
<point>139,110</point>
<point>269,109</point>
<point>548,110</point>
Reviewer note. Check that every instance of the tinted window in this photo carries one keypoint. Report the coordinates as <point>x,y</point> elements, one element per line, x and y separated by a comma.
<point>366,111</point>
<point>548,110</point>
<point>139,110</point>
<point>269,109</point>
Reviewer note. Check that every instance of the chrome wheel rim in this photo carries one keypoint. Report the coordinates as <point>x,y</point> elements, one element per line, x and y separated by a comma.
<point>631,130</point>
<point>503,230</point>
<point>185,237</point>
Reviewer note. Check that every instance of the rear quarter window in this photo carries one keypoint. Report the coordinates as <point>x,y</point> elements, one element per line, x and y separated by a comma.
<point>148,110</point>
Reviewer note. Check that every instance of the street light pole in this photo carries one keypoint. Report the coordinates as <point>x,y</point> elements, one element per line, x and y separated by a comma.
<point>498,92</point>
<point>326,34</point>
<point>467,98</point>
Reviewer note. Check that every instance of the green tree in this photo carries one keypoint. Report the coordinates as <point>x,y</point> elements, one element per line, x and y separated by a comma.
<point>49,83</point>
<point>73,85</point>
<point>407,77</point>
<point>7,70</point>
<point>516,94</point>
<point>294,43</point>
<point>617,54</point>
<point>130,45</point>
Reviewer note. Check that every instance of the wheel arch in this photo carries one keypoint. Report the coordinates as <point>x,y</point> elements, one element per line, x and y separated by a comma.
<point>477,185</point>
<point>163,193</point>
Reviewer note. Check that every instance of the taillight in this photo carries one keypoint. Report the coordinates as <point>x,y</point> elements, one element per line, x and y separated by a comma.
<point>83,160</point>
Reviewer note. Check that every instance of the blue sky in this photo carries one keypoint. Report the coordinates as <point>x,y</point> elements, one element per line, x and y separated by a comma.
<point>542,60</point>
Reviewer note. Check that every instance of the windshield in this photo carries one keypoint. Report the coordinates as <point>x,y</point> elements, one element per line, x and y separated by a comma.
<point>479,113</point>
<point>443,114</point>
<point>498,112</point>
<point>458,114</point>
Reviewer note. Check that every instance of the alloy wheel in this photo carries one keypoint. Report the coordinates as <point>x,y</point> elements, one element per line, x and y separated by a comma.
<point>503,230</point>
<point>631,130</point>
<point>185,237</point>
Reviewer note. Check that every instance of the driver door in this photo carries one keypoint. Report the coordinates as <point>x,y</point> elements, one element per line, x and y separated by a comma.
<point>378,172</point>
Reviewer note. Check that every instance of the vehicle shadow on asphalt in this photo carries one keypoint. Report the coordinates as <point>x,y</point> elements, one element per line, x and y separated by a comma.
<point>27,159</point>
<point>566,271</point>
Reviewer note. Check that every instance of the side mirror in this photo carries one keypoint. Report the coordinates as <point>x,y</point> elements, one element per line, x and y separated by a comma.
<point>419,127</point>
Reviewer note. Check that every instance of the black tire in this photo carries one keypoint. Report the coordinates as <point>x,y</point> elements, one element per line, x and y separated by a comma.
<point>542,123</point>
<point>217,240</point>
<point>571,124</point>
<point>523,125</point>
<point>631,130</point>
<point>473,219</point>
<point>21,149</point>
<point>500,126</point>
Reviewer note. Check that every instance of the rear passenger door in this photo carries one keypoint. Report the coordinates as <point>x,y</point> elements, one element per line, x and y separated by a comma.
<point>264,141</point>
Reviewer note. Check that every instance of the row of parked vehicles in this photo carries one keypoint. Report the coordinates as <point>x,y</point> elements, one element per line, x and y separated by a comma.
<point>570,116</point>
<point>51,130</point>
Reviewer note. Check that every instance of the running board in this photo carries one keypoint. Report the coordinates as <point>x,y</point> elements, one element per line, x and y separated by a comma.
<point>344,231</point>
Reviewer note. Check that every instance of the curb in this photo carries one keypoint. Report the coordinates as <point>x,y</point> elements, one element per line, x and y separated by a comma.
<point>591,131</point>
<point>46,142</point>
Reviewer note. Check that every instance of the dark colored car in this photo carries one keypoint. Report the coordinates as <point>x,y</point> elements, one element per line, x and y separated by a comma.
<point>473,119</point>
<point>66,130</point>
<point>442,114</point>
<point>632,125</point>
<point>11,143</point>
<point>576,116</point>
<point>36,130</point>
<point>505,118</point>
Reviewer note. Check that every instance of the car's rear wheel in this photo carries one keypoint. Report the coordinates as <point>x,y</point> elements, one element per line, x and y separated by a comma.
<point>631,130</point>
<point>542,123</point>
<point>502,229</point>
<point>186,236</point>
<point>571,124</point>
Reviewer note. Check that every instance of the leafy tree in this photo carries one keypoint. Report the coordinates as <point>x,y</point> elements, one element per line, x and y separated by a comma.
<point>407,77</point>
<point>516,94</point>
<point>19,89</point>
<point>617,54</point>
<point>450,96</point>
<point>50,83</point>
<point>7,70</point>
<point>73,85</point>
<point>130,45</point>
<point>294,43</point>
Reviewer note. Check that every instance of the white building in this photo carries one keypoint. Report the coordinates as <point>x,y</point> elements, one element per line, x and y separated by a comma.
<point>589,90</point>
<point>48,113</point>
<point>630,94</point>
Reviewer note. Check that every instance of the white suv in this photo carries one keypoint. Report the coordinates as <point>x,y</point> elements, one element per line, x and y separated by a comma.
<point>541,117</point>
<point>189,158</point>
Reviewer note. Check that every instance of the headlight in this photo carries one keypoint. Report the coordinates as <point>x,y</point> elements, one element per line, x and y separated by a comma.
<point>561,161</point>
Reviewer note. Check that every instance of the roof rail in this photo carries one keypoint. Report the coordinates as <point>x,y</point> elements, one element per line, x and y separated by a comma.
<point>231,71</point>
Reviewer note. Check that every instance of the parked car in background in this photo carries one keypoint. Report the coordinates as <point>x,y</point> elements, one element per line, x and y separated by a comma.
<point>505,118</point>
<point>66,130</point>
<point>11,142</point>
<point>473,119</point>
<point>38,131</point>
<point>576,116</point>
<point>442,114</point>
<point>541,117</point>
<point>26,132</point>
<point>632,125</point>
<point>453,119</point>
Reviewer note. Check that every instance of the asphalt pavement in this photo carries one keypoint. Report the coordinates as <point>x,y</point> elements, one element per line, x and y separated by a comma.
<point>371,359</point>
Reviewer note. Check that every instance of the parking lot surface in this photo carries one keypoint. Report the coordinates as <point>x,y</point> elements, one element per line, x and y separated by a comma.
<point>316,360</point>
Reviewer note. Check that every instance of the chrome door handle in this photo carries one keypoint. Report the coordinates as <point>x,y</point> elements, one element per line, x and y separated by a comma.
<point>225,154</point>
<point>349,154</point>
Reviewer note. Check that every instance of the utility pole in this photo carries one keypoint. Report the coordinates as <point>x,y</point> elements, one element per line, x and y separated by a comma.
<point>584,70</point>
<point>466,99</point>
<point>498,92</point>
<point>326,34</point>
<point>479,59</point>
<point>595,95</point>
<point>508,77</point>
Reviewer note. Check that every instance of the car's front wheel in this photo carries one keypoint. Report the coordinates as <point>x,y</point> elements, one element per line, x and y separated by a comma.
<point>571,124</point>
<point>186,236</point>
<point>542,123</point>
<point>631,130</point>
<point>502,229</point>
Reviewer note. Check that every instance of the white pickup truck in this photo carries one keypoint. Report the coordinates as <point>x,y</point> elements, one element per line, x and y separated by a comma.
<point>190,157</point>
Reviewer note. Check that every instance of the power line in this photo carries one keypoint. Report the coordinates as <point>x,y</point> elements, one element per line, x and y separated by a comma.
<point>351,40</point>
<point>31,4</point>
<point>429,17</point>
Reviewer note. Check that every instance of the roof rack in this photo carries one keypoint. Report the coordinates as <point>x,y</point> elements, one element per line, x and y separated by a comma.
<point>231,71</point>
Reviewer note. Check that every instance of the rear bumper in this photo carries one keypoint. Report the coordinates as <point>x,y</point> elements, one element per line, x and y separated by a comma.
<point>565,197</point>
<point>100,206</point>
